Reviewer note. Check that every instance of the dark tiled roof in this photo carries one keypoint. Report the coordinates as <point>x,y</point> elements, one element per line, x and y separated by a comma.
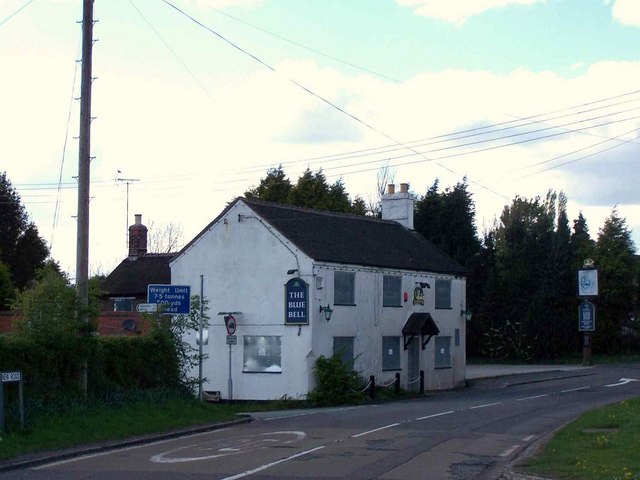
<point>349,239</point>
<point>133,274</point>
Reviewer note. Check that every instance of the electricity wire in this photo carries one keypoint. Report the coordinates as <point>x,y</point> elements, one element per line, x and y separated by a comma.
<point>25,5</point>
<point>56,210</point>
<point>310,49</point>
<point>319,97</point>
<point>173,52</point>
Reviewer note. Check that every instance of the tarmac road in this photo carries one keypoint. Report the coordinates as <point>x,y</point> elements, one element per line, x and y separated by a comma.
<point>473,433</point>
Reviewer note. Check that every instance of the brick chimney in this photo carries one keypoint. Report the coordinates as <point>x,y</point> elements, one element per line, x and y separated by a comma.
<point>398,206</point>
<point>137,238</point>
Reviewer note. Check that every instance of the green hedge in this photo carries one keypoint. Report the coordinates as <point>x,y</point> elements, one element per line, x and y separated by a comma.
<point>52,366</point>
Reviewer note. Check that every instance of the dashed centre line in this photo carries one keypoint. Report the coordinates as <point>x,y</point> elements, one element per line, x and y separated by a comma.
<point>435,415</point>
<point>533,397</point>
<point>374,430</point>
<point>485,405</point>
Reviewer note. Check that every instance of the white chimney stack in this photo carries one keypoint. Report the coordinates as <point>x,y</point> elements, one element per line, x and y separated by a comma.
<point>398,206</point>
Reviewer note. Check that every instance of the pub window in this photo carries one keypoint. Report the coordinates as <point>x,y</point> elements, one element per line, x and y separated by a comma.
<point>391,291</point>
<point>262,354</point>
<point>344,284</point>
<point>343,349</point>
<point>443,293</point>
<point>443,352</point>
<point>390,353</point>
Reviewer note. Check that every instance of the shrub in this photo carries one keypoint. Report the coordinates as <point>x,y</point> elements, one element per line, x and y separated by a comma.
<point>336,383</point>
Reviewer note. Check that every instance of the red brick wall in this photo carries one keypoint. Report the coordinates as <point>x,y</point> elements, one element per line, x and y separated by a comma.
<point>109,323</point>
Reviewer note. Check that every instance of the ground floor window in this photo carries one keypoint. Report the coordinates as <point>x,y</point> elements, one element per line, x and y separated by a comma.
<point>443,352</point>
<point>343,348</point>
<point>262,354</point>
<point>390,353</point>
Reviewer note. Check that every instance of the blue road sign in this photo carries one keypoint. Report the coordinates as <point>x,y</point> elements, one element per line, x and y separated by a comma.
<point>587,317</point>
<point>175,299</point>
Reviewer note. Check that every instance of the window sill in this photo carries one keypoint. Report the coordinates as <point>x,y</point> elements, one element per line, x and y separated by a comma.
<point>344,305</point>
<point>391,306</point>
<point>399,369</point>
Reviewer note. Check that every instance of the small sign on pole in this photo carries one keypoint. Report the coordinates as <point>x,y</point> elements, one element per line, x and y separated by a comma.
<point>9,377</point>
<point>587,317</point>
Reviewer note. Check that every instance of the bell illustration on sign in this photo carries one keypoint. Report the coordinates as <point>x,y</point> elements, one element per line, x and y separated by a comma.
<point>418,296</point>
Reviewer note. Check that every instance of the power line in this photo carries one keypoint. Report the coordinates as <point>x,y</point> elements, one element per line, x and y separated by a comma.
<point>25,5</point>
<point>173,52</point>
<point>56,210</point>
<point>280,37</point>
<point>319,97</point>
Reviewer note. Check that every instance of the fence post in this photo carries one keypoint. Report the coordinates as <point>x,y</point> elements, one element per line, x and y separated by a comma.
<point>372,387</point>
<point>421,381</point>
<point>397,383</point>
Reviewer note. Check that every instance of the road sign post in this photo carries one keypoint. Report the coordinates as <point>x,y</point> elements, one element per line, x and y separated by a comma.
<point>587,288</point>
<point>8,377</point>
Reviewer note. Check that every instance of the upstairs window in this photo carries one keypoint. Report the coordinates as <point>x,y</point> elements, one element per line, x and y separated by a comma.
<point>443,293</point>
<point>391,291</point>
<point>123,304</point>
<point>344,286</point>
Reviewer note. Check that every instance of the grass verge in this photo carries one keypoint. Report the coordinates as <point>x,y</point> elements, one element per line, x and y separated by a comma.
<point>602,444</point>
<point>53,431</point>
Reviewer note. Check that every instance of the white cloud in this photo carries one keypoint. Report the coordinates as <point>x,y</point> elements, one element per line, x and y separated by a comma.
<point>459,11</point>
<point>627,12</point>
<point>193,153</point>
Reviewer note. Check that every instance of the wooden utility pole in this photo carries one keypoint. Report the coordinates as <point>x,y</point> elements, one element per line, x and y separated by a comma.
<point>84,172</point>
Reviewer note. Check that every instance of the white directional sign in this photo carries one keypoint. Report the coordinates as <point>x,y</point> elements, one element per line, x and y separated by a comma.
<point>146,307</point>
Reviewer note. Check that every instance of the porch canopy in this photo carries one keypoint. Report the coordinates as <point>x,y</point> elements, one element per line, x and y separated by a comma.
<point>419,323</point>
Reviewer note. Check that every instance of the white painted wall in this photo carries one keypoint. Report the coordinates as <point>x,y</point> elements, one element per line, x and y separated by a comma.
<point>245,263</point>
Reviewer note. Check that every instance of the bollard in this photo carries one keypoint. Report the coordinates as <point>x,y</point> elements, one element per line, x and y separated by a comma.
<point>372,387</point>
<point>421,381</point>
<point>397,383</point>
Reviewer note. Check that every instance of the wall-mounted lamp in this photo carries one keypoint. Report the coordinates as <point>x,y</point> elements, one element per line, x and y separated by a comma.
<point>467,314</point>
<point>423,284</point>
<point>327,312</point>
<point>292,271</point>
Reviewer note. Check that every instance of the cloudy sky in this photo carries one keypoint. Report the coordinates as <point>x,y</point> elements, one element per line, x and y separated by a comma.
<point>196,99</point>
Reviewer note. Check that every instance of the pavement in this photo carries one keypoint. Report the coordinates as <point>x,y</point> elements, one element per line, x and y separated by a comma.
<point>474,372</point>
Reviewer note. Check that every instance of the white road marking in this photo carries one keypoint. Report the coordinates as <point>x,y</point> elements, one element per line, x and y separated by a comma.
<point>124,449</point>
<point>574,389</point>
<point>231,446</point>
<point>622,381</point>
<point>535,396</point>
<point>435,415</point>
<point>485,405</point>
<point>528,438</point>
<point>375,430</point>
<point>269,465</point>
<point>509,451</point>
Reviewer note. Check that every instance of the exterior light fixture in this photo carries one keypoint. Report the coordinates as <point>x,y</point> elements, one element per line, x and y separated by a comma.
<point>467,314</point>
<point>423,284</point>
<point>327,312</point>
<point>292,271</point>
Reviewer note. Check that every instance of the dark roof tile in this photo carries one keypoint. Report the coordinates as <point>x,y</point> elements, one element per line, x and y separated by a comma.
<point>133,274</point>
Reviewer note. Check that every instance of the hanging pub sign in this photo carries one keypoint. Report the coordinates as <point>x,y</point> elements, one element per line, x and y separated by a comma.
<point>296,302</point>
<point>588,282</point>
